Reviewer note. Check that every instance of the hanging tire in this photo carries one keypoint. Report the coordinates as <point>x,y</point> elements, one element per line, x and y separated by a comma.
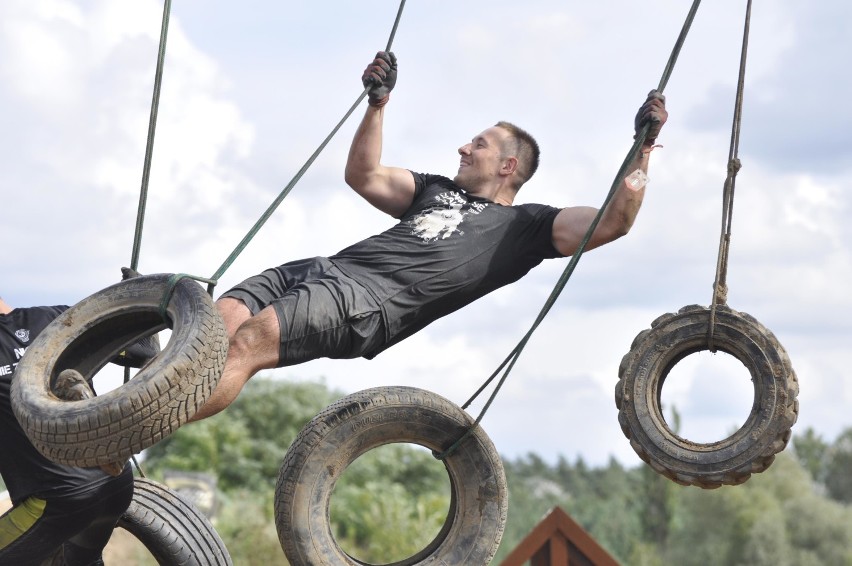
<point>161,397</point>
<point>365,420</point>
<point>173,530</point>
<point>749,450</point>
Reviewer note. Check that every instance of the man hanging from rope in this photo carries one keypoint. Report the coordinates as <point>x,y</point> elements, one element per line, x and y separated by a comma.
<point>456,241</point>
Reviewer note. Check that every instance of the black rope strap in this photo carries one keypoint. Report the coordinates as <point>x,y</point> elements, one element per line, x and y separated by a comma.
<point>513,356</point>
<point>720,285</point>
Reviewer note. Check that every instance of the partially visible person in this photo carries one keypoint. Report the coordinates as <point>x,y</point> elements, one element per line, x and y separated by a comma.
<point>61,515</point>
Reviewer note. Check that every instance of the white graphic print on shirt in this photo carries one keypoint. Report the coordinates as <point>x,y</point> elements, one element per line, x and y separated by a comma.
<point>443,223</point>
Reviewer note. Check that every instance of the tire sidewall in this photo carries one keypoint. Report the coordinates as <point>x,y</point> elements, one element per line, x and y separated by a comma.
<point>372,418</point>
<point>173,530</point>
<point>753,446</point>
<point>173,373</point>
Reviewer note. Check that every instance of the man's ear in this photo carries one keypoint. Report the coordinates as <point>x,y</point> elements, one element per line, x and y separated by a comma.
<point>510,165</point>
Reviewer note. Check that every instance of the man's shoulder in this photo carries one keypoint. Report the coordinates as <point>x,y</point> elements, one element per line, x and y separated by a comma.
<point>535,208</point>
<point>428,180</point>
<point>428,186</point>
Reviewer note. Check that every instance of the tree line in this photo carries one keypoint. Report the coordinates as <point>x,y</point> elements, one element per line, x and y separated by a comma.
<point>393,500</point>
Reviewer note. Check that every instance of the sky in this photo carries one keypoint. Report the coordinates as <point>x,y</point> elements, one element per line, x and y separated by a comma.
<point>249,92</point>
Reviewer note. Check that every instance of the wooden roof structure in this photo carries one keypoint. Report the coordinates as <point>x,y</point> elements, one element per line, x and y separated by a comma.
<point>558,540</point>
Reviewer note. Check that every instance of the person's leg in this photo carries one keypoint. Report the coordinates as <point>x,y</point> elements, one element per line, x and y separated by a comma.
<point>35,529</point>
<point>253,346</point>
<point>24,536</point>
<point>323,313</point>
<point>86,547</point>
<point>234,313</point>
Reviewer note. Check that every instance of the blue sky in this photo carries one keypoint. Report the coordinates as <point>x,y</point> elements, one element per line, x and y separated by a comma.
<point>249,92</point>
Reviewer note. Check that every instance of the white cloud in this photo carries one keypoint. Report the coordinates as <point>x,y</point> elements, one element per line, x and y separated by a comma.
<point>246,99</point>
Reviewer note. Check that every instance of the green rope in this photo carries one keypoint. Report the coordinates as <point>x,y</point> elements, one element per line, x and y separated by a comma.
<point>146,168</point>
<point>152,126</point>
<point>268,213</point>
<point>510,360</point>
<point>149,146</point>
<point>174,279</point>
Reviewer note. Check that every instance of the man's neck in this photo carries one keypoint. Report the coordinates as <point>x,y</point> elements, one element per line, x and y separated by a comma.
<point>4,307</point>
<point>500,194</point>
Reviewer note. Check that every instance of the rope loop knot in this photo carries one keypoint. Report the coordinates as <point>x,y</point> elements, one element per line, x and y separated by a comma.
<point>734,166</point>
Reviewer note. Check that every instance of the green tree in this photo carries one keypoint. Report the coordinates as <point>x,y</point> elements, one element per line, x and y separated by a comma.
<point>393,500</point>
<point>390,503</point>
<point>610,510</point>
<point>838,468</point>
<point>247,528</point>
<point>812,452</point>
<point>657,501</point>
<point>534,489</point>
<point>775,518</point>
<point>243,446</point>
<point>820,530</point>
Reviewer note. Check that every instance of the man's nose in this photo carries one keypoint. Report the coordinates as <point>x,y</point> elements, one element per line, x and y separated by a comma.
<point>465,149</point>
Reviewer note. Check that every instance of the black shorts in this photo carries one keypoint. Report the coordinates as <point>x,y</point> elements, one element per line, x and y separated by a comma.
<point>322,312</point>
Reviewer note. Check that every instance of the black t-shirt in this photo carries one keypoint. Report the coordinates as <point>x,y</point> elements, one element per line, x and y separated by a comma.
<point>448,249</point>
<point>25,471</point>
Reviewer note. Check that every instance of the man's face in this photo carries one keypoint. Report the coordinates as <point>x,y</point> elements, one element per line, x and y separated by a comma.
<point>481,160</point>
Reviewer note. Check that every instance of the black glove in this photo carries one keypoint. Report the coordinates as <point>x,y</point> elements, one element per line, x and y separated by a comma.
<point>652,112</point>
<point>145,349</point>
<point>380,77</point>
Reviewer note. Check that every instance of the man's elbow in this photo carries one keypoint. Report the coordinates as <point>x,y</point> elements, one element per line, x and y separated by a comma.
<point>619,227</point>
<point>610,233</point>
<point>622,230</point>
<point>351,178</point>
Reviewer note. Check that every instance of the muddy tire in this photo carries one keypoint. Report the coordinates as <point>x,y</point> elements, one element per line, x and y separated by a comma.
<point>161,397</point>
<point>172,529</point>
<point>749,450</point>
<point>365,420</point>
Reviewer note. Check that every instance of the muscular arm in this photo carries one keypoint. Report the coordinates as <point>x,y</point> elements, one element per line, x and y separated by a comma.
<point>390,189</point>
<point>572,223</point>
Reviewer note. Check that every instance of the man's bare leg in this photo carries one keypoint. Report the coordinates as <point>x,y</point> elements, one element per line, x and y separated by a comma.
<point>254,345</point>
<point>234,313</point>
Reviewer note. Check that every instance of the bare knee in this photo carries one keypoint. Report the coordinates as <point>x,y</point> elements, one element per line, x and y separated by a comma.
<point>253,347</point>
<point>256,342</point>
<point>234,313</point>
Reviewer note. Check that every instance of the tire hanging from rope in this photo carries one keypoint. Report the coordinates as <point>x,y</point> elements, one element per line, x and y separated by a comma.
<point>365,420</point>
<point>672,337</point>
<point>161,397</point>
